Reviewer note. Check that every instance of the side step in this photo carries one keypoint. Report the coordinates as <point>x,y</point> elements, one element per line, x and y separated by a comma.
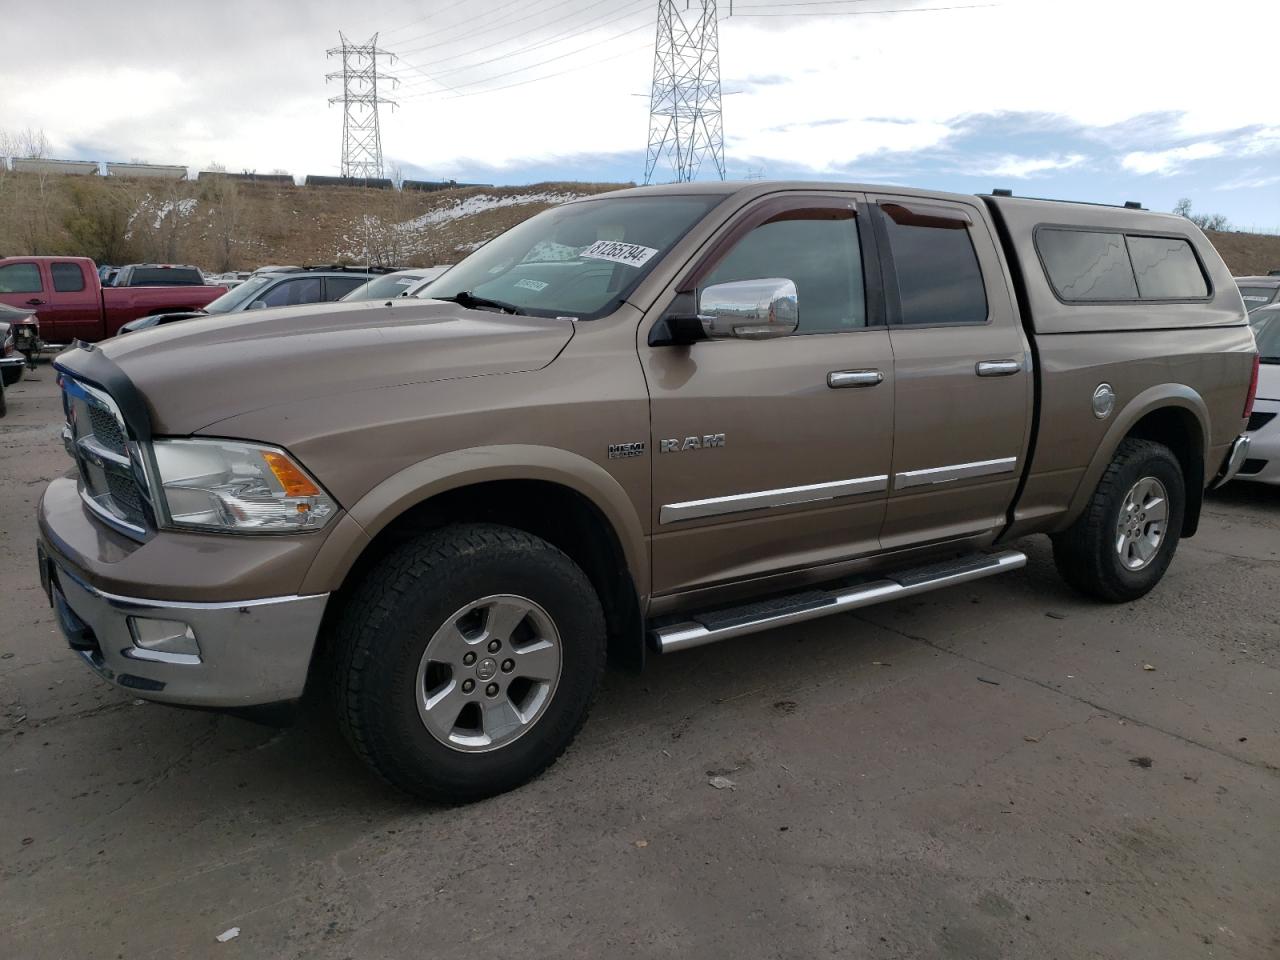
<point>754,617</point>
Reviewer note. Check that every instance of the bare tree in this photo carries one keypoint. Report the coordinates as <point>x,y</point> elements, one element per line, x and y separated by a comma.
<point>226,208</point>
<point>1205,221</point>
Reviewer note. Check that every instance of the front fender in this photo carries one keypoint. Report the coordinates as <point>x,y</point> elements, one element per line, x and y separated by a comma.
<point>1158,397</point>
<point>462,468</point>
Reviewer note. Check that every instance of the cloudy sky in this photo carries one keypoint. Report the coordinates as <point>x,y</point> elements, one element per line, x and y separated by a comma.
<point>1111,100</point>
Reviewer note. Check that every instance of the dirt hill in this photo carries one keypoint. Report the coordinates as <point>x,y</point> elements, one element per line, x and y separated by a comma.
<point>222,224</point>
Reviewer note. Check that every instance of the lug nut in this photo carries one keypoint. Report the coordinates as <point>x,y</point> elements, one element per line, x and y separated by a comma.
<point>495,646</point>
<point>491,689</point>
<point>468,686</point>
<point>468,659</point>
<point>508,666</point>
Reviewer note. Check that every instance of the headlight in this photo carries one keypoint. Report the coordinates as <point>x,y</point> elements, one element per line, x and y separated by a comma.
<point>224,485</point>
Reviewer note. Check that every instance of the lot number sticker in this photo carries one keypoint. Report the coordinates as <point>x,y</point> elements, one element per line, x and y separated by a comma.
<point>615,251</point>
<point>527,284</point>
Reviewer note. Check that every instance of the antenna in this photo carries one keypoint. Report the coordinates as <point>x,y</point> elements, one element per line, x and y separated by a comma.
<point>686,125</point>
<point>361,136</point>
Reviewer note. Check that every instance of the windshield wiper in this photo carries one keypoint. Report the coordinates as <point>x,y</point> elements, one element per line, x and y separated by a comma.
<point>465,298</point>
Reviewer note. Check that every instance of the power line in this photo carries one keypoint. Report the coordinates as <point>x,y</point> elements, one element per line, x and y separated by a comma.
<point>855,13</point>
<point>549,41</point>
<point>430,16</point>
<point>540,63</point>
<point>469,25</point>
<point>578,30</point>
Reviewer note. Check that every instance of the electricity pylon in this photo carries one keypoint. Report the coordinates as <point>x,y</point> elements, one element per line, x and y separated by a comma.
<point>361,136</point>
<point>686,126</point>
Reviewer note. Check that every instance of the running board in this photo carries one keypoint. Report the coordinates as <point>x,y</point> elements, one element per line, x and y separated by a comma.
<point>797,608</point>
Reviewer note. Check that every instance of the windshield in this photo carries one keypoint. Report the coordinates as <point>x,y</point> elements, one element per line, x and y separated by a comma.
<point>238,295</point>
<point>1266,330</point>
<point>1255,297</point>
<point>579,260</point>
<point>384,288</point>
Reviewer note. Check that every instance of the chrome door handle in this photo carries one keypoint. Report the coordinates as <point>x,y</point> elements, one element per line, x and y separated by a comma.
<point>998,368</point>
<point>853,378</point>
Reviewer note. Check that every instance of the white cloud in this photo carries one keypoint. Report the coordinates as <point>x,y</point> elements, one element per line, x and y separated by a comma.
<point>1026,167</point>
<point>1166,162</point>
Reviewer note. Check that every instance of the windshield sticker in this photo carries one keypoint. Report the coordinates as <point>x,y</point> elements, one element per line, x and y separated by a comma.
<point>1257,299</point>
<point>408,280</point>
<point>534,285</point>
<point>631,254</point>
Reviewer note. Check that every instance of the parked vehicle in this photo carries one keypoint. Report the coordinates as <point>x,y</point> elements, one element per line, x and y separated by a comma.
<point>25,327</point>
<point>1263,464</point>
<point>1258,291</point>
<point>432,274</point>
<point>397,284</point>
<point>747,406</point>
<point>159,275</point>
<point>72,304</point>
<point>12,362</point>
<point>294,288</point>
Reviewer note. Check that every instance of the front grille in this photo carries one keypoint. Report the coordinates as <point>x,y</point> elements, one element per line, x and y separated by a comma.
<point>1259,419</point>
<point>96,437</point>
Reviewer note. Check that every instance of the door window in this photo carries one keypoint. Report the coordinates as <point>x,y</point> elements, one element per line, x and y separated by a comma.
<point>292,292</point>
<point>67,277</point>
<point>939,280</point>
<point>818,250</point>
<point>20,278</point>
<point>338,287</point>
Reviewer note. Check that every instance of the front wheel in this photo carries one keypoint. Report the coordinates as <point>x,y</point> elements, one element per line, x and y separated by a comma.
<point>467,660</point>
<point>1121,546</point>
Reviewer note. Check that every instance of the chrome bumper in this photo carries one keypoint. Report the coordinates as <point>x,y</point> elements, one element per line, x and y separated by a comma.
<point>251,652</point>
<point>1235,460</point>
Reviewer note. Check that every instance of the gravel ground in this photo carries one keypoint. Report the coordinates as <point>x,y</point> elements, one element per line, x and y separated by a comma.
<point>991,771</point>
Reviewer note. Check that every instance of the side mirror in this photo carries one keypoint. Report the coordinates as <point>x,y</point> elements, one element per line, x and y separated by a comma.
<point>749,309</point>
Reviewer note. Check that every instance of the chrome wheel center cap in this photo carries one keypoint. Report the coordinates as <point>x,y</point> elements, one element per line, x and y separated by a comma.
<point>487,668</point>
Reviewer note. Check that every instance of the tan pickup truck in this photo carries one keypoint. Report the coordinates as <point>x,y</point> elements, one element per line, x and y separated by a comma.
<point>634,424</point>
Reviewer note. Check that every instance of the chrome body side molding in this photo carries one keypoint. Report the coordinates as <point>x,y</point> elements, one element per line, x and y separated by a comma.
<point>955,471</point>
<point>763,499</point>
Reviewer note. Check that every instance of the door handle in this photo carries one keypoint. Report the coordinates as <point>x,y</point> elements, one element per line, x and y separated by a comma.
<point>853,378</point>
<point>34,302</point>
<point>998,368</point>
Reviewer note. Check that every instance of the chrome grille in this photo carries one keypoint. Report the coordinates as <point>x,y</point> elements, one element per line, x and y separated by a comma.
<point>112,480</point>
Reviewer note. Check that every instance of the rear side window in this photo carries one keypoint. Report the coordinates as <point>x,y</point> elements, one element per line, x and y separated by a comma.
<point>1166,269</point>
<point>1087,266</point>
<point>1255,297</point>
<point>1092,265</point>
<point>165,277</point>
<point>338,287</point>
<point>939,280</point>
<point>67,278</point>
<point>20,278</point>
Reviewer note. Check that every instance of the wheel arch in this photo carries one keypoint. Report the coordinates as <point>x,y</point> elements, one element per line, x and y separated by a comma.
<point>557,495</point>
<point>1172,414</point>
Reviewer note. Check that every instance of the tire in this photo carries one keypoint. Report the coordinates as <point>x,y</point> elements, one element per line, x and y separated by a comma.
<point>1097,554</point>
<point>397,650</point>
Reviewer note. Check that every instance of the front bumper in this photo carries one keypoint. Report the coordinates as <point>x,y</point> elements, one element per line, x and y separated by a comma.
<point>11,368</point>
<point>250,652</point>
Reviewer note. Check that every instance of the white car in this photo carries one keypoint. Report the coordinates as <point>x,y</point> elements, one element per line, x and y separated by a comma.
<point>1263,464</point>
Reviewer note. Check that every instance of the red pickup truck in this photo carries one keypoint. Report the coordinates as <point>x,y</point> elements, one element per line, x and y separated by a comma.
<point>72,304</point>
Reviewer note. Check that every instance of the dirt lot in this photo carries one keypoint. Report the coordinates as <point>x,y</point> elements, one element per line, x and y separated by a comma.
<point>987,772</point>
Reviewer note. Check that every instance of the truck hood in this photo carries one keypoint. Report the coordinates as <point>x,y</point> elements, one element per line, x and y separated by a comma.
<point>200,371</point>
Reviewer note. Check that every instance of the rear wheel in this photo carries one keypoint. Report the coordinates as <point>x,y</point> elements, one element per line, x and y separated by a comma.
<point>467,661</point>
<point>1123,543</point>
